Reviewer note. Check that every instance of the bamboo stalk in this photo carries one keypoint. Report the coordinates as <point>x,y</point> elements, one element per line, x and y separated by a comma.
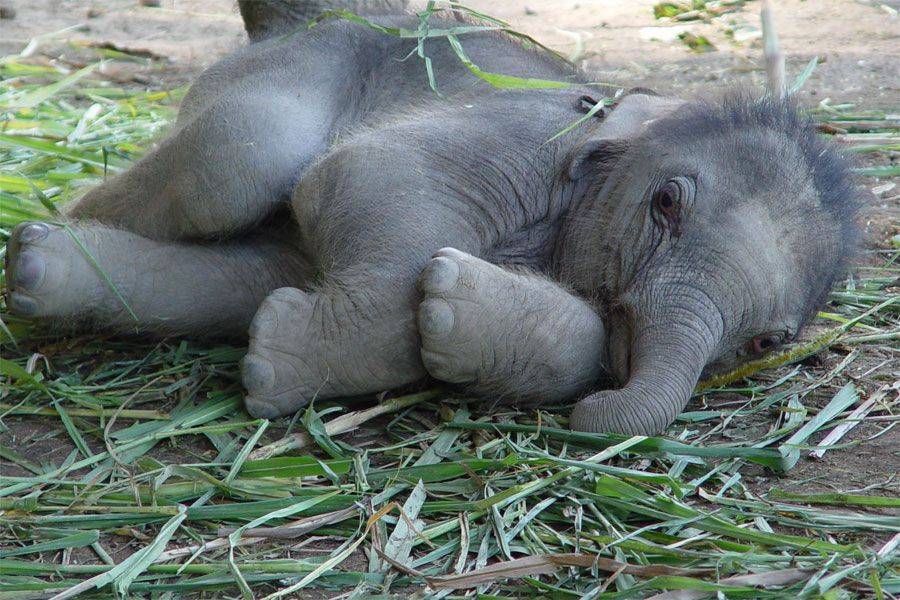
<point>795,353</point>
<point>772,52</point>
<point>100,413</point>
<point>791,355</point>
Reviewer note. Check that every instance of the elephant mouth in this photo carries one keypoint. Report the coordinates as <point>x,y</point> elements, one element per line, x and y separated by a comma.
<point>621,343</point>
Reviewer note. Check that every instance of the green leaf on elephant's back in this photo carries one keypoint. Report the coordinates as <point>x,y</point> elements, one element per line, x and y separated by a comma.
<point>499,80</point>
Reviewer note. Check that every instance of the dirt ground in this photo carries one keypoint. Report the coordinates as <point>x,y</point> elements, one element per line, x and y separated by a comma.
<point>621,42</point>
<point>858,40</point>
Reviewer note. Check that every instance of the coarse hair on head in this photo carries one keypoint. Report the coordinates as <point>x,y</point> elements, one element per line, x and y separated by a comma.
<point>741,114</point>
<point>830,171</point>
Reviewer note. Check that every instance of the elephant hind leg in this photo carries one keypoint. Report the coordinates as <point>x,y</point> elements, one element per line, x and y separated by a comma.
<point>496,332</point>
<point>98,277</point>
<point>220,174</point>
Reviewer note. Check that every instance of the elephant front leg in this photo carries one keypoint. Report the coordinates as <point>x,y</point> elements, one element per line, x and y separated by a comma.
<point>512,335</point>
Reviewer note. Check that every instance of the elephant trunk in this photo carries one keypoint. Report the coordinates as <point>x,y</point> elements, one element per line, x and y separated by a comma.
<point>659,349</point>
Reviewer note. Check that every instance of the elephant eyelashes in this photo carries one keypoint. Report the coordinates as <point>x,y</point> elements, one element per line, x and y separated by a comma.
<point>667,202</point>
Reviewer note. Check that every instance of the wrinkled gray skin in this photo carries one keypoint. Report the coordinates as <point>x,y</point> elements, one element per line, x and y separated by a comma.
<point>369,233</point>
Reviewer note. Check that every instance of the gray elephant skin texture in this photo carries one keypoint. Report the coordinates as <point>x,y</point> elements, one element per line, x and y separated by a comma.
<point>317,199</point>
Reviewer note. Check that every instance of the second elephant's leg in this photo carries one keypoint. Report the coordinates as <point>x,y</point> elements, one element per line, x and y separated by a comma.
<point>512,335</point>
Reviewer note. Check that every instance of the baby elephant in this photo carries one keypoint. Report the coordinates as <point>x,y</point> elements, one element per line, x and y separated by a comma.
<point>369,233</point>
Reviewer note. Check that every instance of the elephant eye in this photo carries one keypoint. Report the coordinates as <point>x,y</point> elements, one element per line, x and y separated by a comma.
<point>666,204</point>
<point>665,199</point>
<point>765,343</point>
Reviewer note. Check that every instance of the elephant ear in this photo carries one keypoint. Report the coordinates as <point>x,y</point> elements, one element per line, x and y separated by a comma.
<point>611,139</point>
<point>595,155</point>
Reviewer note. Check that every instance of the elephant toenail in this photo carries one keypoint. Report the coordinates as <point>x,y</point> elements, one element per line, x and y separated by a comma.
<point>449,251</point>
<point>261,409</point>
<point>257,373</point>
<point>29,271</point>
<point>33,232</point>
<point>435,317</point>
<point>264,322</point>
<point>440,276</point>
<point>22,305</point>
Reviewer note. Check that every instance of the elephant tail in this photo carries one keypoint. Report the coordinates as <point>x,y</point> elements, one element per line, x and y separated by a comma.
<point>267,18</point>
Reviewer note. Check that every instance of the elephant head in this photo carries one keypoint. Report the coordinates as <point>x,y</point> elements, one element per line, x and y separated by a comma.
<point>710,233</point>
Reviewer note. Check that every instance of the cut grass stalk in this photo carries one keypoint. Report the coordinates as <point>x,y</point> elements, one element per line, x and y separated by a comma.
<point>99,413</point>
<point>769,458</point>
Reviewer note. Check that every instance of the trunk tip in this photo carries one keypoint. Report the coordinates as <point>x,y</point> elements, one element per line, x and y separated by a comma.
<point>615,411</point>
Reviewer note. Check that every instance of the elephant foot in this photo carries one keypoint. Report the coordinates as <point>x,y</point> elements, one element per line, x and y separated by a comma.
<point>277,371</point>
<point>465,318</point>
<point>454,313</point>
<point>48,274</point>
<point>514,336</point>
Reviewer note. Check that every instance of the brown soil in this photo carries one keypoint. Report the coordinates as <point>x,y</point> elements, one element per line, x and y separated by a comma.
<point>620,40</point>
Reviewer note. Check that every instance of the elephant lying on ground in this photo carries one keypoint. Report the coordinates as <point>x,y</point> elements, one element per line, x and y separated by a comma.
<point>368,233</point>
